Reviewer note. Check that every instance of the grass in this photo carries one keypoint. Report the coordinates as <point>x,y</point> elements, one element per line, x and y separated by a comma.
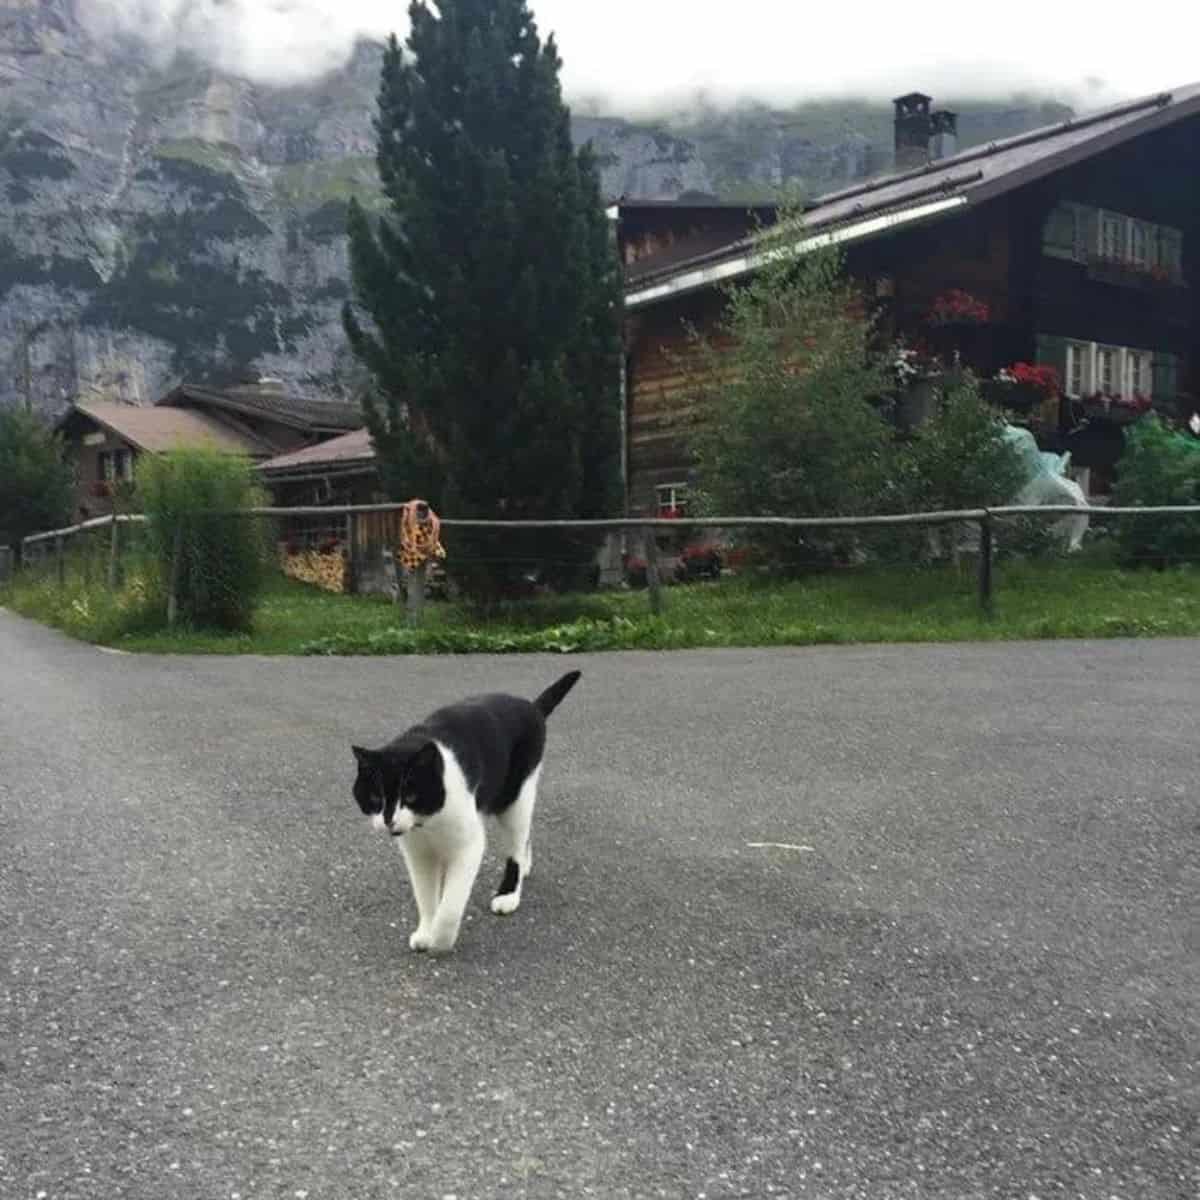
<point>221,158</point>
<point>308,186</point>
<point>1033,600</point>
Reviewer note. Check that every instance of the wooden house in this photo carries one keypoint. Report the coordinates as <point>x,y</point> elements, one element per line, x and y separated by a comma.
<point>259,421</point>
<point>1080,242</point>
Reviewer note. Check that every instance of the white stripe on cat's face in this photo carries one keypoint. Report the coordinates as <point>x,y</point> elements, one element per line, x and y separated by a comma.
<point>403,820</point>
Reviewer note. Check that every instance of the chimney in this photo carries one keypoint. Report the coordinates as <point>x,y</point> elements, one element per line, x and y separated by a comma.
<point>943,130</point>
<point>913,130</point>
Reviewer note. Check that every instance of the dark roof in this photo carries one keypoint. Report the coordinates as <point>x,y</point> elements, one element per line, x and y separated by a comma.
<point>972,176</point>
<point>714,203</point>
<point>350,448</point>
<point>685,250</point>
<point>270,400</point>
<point>157,430</point>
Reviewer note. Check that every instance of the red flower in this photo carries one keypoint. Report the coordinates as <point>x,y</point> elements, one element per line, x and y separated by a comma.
<point>957,307</point>
<point>1045,379</point>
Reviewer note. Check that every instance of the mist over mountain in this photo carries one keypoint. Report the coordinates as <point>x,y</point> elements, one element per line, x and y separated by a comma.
<point>162,217</point>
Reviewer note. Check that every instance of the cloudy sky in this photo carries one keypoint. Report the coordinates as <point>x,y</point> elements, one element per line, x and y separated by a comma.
<point>634,54</point>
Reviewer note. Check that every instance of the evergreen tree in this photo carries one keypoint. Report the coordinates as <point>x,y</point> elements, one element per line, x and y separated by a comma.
<point>36,481</point>
<point>487,299</point>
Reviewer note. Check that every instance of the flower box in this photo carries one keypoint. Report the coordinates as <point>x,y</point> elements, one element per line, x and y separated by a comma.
<point>1116,410</point>
<point>1020,397</point>
<point>957,307</point>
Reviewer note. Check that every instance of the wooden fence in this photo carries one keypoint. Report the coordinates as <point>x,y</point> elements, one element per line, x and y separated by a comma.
<point>371,526</point>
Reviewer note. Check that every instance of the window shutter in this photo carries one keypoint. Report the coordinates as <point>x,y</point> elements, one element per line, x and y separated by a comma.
<point>1059,234</point>
<point>1052,352</point>
<point>1087,232</point>
<point>1170,251</point>
<point>1166,378</point>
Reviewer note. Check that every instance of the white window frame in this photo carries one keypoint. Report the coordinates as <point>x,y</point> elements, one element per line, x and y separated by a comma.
<point>1133,370</point>
<point>1139,373</point>
<point>1081,353</point>
<point>1120,226</point>
<point>671,495</point>
<point>1146,261</point>
<point>1118,380</point>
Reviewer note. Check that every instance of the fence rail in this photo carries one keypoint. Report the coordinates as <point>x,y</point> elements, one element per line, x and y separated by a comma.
<point>985,518</point>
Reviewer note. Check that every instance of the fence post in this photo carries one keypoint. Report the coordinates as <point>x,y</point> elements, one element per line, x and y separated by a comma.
<point>176,569</point>
<point>351,585</point>
<point>60,553</point>
<point>414,580</point>
<point>985,564</point>
<point>653,582</point>
<point>391,574</point>
<point>114,551</point>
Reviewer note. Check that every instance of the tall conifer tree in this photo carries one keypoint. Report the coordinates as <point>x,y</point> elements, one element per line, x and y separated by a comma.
<point>487,298</point>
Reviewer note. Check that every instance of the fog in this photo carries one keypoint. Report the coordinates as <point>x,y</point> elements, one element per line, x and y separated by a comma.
<point>630,56</point>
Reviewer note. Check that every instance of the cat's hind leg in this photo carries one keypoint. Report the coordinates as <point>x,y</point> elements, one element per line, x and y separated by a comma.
<point>515,843</point>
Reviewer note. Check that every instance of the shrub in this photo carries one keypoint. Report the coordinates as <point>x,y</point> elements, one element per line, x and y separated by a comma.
<point>786,422</point>
<point>1159,467</point>
<point>960,458</point>
<point>35,479</point>
<point>217,562</point>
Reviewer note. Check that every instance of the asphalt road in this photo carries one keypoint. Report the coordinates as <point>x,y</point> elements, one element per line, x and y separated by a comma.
<point>976,974</point>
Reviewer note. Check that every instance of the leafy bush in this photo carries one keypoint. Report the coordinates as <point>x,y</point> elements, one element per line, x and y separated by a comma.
<point>786,423</point>
<point>35,479</point>
<point>216,562</point>
<point>956,459</point>
<point>1159,467</point>
<point>959,458</point>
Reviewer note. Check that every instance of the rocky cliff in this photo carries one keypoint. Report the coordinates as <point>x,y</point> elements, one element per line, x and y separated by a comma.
<point>159,221</point>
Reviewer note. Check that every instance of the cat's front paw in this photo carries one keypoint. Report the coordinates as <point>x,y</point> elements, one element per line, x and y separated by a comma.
<point>506,904</point>
<point>420,939</point>
<point>441,940</point>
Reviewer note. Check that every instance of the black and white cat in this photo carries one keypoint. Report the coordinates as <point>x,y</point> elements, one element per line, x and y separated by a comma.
<point>433,785</point>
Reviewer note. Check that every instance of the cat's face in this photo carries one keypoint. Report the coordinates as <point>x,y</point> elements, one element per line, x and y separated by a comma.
<point>399,792</point>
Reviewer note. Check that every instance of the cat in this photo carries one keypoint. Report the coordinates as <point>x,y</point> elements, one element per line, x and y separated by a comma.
<point>431,787</point>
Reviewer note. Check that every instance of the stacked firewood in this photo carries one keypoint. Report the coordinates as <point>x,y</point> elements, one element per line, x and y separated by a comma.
<point>325,570</point>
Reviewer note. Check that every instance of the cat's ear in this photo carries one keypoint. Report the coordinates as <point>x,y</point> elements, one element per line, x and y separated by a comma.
<point>364,757</point>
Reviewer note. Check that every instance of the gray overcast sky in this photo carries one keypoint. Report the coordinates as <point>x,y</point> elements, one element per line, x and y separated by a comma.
<point>649,53</point>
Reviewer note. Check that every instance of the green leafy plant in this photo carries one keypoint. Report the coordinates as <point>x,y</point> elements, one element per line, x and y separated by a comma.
<point>214,563</point>
<point>36,480</point>
<point>786,424</point>
<point>1159,467</point>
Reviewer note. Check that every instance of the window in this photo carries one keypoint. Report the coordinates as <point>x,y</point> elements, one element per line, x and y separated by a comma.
<point>115,464</point>
<point>1137,373</point>
<point>1112,237</point>
<point>1139,244</point>
<point>1111,370</point>
<point>672,499</point>
<point>1079,355</point>
<point>1108,377</point>
<point>1061,234</point>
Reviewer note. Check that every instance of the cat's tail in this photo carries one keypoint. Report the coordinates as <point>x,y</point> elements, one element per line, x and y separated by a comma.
<point>554,695</point>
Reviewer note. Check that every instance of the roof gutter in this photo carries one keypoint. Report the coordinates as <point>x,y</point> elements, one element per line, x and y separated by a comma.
<point>745,264</point>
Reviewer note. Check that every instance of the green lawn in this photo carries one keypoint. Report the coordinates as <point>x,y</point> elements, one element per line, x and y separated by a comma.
<point>1032,600</point>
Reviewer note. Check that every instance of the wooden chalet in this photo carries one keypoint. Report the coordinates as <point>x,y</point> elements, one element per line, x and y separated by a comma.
<point>258,421</point>
<point>1080,240</point>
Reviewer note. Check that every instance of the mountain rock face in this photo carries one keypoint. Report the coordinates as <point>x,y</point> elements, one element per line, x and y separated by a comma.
<point>161,222</point>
